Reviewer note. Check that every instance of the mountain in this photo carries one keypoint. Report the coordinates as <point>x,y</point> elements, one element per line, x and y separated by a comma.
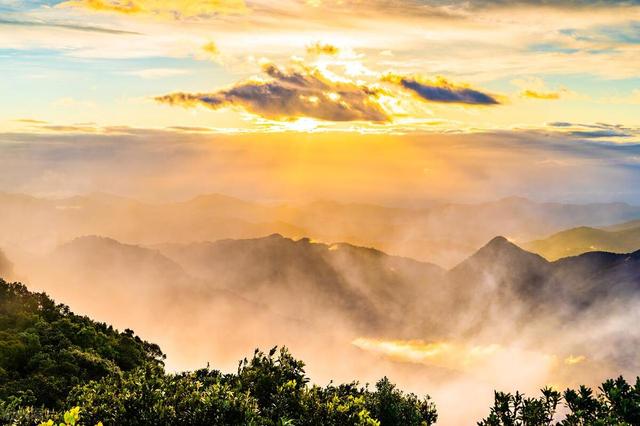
<point>368,287</point>
<point>355,289</point>
<point>214,300</point>
<point>624,238</point>
<point>570,284</point>
<point>441,233</point>
<point>498,271</point>
<point>508,294</point>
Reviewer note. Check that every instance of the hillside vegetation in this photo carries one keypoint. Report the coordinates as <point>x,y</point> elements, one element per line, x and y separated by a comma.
<point>46,350</point>
<point>52,360</point>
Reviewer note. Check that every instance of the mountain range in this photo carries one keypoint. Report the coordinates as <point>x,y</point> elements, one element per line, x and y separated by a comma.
<point>441,233</point>
<point>238,293</point>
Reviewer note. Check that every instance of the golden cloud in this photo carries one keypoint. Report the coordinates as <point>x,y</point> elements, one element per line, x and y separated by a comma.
<point>289,94</point>
<point>322,49</point>
<point>533,94</point>
<point>161,8</point>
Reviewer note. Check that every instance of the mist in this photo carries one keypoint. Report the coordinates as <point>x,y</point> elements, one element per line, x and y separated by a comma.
<point>209,282</point>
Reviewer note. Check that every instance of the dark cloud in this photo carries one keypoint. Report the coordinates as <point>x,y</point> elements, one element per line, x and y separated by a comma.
<point>290,94</point>
<point>442,90</point>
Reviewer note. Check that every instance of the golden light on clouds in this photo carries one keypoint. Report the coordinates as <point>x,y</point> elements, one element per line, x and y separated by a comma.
<point>573,360</point>
<point>211,49</point>
<point>484,361</point>
<point>318,48</point>
<point>290,94</point>
<point>161,8</point>
<point>550,96</point>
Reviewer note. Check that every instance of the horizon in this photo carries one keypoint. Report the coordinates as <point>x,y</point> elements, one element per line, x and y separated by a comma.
<point>416,204</point>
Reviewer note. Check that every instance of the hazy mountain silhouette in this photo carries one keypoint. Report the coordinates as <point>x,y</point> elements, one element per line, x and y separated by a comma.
<point>503,273</point>
<point>369,287</point>
<point>441,233</point>
<point>362,287</point>
<point>216,298</point>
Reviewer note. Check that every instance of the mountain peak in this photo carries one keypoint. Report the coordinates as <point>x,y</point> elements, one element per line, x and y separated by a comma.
<point>501,251</point>
<point>499,241</point>
<point>499,245</point>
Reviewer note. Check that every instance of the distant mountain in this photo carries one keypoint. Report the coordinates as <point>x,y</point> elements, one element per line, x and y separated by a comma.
<point>442,233</point>
<point>622,238</point>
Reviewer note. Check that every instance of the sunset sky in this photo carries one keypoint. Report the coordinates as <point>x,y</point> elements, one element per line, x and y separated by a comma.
<point>348,99</point>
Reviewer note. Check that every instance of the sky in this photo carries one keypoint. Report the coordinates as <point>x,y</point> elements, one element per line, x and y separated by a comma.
<point>376,100</point>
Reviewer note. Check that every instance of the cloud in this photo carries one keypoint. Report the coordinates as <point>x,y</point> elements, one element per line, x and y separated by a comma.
<point>291,94</point>
<point>533,94</point>
<point>536,88</point>
<point>595,131</point>
<point>162,8</point>
<point>441,90</point>
<point>322,49</point>
<point>30,121</point>
<point>211,50</point>
<point>604,133</point>
<point>65,26</point>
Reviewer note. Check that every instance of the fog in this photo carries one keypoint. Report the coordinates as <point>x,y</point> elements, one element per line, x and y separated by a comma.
<point>502,319</point>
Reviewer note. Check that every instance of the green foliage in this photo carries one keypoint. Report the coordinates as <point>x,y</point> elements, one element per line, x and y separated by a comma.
<point>516,410</point>
<point>391,406</point>
<point>148,396</point>
<point>45,350</point>
<point>268,389</point>
<point>69,418</point>
<point>617,403</point>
